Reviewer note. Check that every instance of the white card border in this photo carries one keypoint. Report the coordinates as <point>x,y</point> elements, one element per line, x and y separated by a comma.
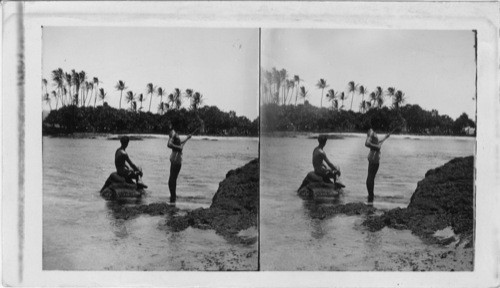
<point>480,16</point>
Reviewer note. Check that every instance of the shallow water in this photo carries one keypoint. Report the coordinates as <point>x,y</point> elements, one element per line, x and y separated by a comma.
<point>292,240</point>
<point>81,233</point>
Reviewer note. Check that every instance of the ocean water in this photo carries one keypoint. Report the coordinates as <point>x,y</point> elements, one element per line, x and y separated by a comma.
<point>81,233</point>
<point>292,240</point>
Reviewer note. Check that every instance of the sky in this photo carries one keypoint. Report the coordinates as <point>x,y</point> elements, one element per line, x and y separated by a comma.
<point>435,69</point>
<point>222,64</point>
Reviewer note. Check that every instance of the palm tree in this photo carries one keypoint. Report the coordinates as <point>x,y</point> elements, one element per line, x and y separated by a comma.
<point>373,98</point>
<point>296,79</point>
<point>162,107</point>
<point>380,96</point>
<point>141,99</point>
<point>303,93</point>
<point>46,98</point>
<point>171,99</point>
<point>283,76</point>
<point>342,97</point>
<point>76,99</point>
<point>175,99</point>
<point>75,80</point>
<point>102,94</point>
<point>362,91</point>
<point>130,97</point>
<point>352,87</point>
<point>54,94</point>
<point>90,86</point>
<point>120,86</point>
<point>321,85</point>
<point>57,77</point>
<point>189,93</point>
<point>399,98</point>
<point>332,96</point>
<point>83,78</point>
<point>134,106</point>
<point>69,83</point>
<point>265,94</point>
<point>44,84</point>
<point>96,83</point>
<point>196,101</point>
<point>65,91</point>
<point>391,91</point>
<point>151,90</point>
<point>277,81</point>
<point>85,89</point>
<point>368,105</point>
<point>160,93</point>
<point>286,89</point>
<point>269,79</point>
<point>291,85</point>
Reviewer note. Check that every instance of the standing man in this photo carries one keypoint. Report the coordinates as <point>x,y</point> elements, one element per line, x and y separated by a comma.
<point>374,145</point>
<point>175,143</point>
<point>121,161</point>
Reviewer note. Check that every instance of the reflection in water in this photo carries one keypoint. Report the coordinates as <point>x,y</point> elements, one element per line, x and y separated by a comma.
<point>311,207</point>
<point>116,219</point>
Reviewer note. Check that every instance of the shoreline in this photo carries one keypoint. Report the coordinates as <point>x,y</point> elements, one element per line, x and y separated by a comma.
<point>141,136</point>
<point>314,135</point>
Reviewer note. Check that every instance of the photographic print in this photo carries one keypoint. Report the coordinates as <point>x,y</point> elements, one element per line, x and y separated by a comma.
<point>368,144</point>
<point>208,144</point>
<point>150,148</point>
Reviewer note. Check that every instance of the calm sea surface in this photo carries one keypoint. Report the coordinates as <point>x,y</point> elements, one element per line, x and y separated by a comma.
<point>291,240</point>
<point>79,230</point>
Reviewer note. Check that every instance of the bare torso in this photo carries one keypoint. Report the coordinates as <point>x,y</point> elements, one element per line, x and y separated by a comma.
<point>317,159</point>
<point>120,159</point>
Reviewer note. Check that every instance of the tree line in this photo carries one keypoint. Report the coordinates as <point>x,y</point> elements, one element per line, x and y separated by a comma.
<point>207,120</point>
<point>411,119</point>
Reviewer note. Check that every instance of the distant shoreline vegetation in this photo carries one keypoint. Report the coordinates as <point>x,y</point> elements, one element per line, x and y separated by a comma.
<point>309,118</point>
<point>285,108</point>
<point>207,120</point>
<point>76,96</point>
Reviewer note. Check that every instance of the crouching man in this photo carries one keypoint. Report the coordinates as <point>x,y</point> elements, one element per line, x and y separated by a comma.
<point>121,160</point>
<point>320,169</point>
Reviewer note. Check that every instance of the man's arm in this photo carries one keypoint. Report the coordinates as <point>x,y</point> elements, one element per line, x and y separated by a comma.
<point>330,164</point>
<point>171,144</point>
<point>127,159</point>
<point>185,140</point>
<point>385,138</point>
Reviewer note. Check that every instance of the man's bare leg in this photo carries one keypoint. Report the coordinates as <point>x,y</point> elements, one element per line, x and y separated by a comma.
<point>140,184</point>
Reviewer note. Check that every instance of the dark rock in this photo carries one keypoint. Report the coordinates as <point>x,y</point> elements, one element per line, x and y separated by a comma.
<point>313,186</point>
<point>116,188</point>
<point>235,205</point>
<point>445,197</point>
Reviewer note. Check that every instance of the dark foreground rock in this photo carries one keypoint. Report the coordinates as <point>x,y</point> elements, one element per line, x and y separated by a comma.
<point>445,197</point>
<point>235,206</point>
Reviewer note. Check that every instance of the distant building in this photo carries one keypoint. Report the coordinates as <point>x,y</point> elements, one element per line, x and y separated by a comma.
<point>469,130</point>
